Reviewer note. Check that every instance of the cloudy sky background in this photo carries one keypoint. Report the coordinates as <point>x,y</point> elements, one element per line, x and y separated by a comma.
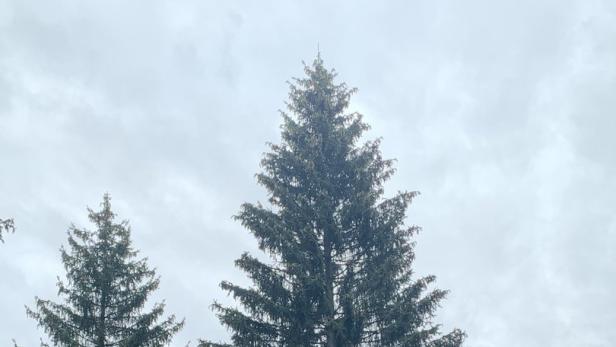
<point>502,115</point>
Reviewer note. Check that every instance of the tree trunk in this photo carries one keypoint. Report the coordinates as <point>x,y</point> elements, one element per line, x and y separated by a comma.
<point>329,294</point>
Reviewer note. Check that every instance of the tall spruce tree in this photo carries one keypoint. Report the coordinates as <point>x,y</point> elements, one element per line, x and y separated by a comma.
<point>106,291</point>
<point>340,271</point>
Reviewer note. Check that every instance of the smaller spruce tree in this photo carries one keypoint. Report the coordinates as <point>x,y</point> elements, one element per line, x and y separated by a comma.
<point>105,292</point>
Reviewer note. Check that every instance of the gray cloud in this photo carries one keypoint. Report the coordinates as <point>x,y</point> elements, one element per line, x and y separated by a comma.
<point>499,113</point>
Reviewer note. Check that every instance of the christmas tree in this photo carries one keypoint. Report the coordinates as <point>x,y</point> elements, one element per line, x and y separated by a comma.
<point>340,254</point>
<point>105,292</point>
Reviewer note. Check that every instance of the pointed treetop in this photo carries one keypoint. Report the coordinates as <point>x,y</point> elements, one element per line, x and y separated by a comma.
<point>106,204</point>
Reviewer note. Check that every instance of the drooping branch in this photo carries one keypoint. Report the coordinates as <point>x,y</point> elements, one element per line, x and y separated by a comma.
<point>6,226</point>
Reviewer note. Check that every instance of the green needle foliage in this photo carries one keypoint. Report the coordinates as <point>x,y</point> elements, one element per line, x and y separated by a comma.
<point>6,226</point>
<point>106,291</point>
<point>340,270</point>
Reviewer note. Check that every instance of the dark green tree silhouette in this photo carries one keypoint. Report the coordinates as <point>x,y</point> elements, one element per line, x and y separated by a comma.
<point>105,292</point>
<point>340,271</point>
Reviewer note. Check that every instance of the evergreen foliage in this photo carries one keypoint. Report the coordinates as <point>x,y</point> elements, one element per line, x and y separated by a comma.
<point>340,271</point>
<point>6,226</point>
<point>106,291</point>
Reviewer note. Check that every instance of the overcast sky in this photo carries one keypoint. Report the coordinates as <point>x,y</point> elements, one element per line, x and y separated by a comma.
<point>501,113</point>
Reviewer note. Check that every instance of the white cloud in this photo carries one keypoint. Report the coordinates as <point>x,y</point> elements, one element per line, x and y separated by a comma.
<point>500,113</point>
